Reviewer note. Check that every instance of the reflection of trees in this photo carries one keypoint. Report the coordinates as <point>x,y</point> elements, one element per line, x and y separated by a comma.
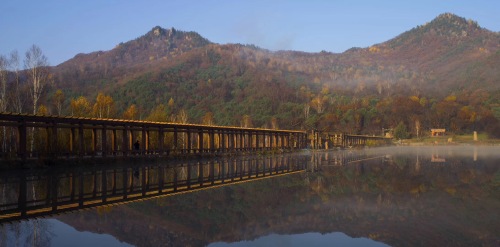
<point>383,200</point>
<point>30,233</point>
<point>38,234</point>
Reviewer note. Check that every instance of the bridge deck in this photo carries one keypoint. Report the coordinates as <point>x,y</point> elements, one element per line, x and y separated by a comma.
<point>54,136</point>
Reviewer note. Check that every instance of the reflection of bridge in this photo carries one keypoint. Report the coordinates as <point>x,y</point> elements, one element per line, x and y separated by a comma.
<point>50,136</point>
<point>30,193</point>
<point>324,159</point>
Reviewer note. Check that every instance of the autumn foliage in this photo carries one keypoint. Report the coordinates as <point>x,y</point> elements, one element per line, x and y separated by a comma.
<point>443,74</point>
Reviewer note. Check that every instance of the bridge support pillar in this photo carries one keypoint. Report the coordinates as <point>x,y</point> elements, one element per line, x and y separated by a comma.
<point>103,141</point>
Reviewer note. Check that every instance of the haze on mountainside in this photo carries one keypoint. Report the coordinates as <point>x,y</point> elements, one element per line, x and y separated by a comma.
<point>442,74</point>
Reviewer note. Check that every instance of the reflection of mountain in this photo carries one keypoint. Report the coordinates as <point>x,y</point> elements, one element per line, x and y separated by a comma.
<point>400,201</point>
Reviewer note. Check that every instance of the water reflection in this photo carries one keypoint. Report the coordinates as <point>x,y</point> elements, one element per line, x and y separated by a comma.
<point>396,196</point>
<point>31,233</point>
<point>34,193</point>
<point>51,232</point>
<point>305,239</point>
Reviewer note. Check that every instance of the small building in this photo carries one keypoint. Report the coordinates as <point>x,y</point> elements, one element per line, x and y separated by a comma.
<point>438,132</point>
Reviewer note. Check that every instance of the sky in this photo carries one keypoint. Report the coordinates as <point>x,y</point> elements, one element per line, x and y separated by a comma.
<point>64,28</point>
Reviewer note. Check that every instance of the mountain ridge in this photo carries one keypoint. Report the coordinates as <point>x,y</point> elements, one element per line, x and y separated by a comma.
<point>447,56</point>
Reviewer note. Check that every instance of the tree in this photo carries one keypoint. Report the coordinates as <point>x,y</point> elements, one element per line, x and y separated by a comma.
<point>3,95</point>
<point>246,121</point>
<point>182,116</point>
<point>42,110</point>
<point>130,113</point>
<point>318,104</point>
<point>3,83</point>
<point>171,103</point>
<point>208,119</point>
<point>103,106</point>
<point>417,127</point>
<point>158,114</point>
<point>17,99</point>
<point>400,131</point>
<point>306,110</point>
<point>58,101</point>
<point>36,65</point>
<point>274,123</point>
<point>80,107</point>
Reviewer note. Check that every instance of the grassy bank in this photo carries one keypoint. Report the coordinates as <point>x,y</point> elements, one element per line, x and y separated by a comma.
<point>482,139</point>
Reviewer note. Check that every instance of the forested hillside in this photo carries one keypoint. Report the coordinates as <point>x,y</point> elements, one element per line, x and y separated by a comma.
<point>444,74</point>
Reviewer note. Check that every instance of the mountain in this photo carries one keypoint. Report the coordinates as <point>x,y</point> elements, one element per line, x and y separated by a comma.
<point>158,45</point>
<point>445,47</point>
<point>444,73</point>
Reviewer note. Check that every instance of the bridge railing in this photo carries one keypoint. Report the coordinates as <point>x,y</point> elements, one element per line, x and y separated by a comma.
<point>23,136</point>
<point>326,140</point>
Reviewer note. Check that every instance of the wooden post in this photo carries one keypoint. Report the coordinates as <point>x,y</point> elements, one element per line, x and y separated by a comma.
<point>125,141</point>
<point>212,141</point>
<point>94,140</point>
<point>114,142</point>
<point>72,139</point>
<point>188,140</point>
<point>103,141</point>
<point>241,141</point>
<point>144,145</point>
<point>80,140</point>
<point>53,140</point>
<point>161,150</point>
<point>21,140</point>
<point>200,141</point>
<point>175,139</point>
<point>223,140</point>
<point>132,138</point>
<point>257,146</point>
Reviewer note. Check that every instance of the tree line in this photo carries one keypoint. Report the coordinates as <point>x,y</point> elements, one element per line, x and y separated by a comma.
<point>214,87</point>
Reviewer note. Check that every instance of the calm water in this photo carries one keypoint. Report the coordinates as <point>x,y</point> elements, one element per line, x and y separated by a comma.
<point>410,196</point>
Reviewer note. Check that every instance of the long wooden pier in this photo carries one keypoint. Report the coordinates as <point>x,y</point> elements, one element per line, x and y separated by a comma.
<point>24,136</point>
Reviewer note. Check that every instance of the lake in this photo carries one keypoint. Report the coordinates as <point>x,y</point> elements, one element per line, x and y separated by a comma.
<point>389,196</point>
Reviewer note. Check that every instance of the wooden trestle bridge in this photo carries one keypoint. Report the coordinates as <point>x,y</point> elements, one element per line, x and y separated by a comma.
<point>25,136</point>
<point>55,136</point>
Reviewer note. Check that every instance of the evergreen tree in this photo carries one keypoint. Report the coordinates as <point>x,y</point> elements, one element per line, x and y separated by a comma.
<point>400,131</point>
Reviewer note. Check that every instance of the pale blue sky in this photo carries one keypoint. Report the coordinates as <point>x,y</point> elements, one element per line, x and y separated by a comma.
<point>64,28</point>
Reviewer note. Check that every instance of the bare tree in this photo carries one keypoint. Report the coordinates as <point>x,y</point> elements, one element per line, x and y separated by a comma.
<point>16,98</point>
<point>208,119</point>
<point>417,127</point>
<point>274,123</point>
<point>318,104</point>
<point>58,101</point>
<point>3,83</point>
<point>183,116</point>
<point>36,65</point>
<point>246,121</point>
<point>307,108</point>
<point>3,95</point>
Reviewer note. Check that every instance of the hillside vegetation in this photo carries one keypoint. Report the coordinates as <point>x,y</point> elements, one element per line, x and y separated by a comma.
<point>443,74</point>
